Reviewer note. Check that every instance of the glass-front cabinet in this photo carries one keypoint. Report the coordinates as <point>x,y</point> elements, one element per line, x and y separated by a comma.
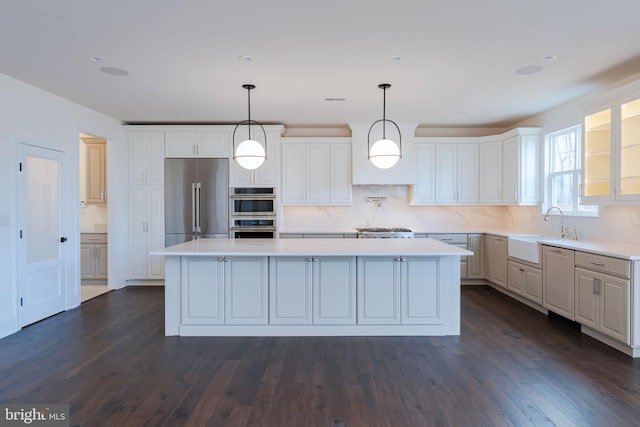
<point>611,152</point>
<point>598,183</point>
<point>629,150</point>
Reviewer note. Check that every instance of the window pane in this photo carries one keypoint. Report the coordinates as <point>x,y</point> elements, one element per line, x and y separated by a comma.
<point>561,191</point>
<point>563,145</point>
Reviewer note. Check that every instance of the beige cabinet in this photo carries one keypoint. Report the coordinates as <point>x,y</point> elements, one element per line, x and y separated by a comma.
<point>495,253</point>
<point>95,170</point>
<point>603,294</point>
<point>558,281</point>
<point>93,256</point>
<point>458,240</point>
<point>475,262</point>
<point>526,281</point>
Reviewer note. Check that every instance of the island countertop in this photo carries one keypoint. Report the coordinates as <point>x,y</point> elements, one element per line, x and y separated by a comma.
<point>312,247</point>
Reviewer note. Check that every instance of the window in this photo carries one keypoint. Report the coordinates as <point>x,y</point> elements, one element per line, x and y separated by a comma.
<point>564,172</point>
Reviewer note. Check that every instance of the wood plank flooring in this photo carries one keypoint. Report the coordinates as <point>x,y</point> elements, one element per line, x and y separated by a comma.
<point>511,366</point>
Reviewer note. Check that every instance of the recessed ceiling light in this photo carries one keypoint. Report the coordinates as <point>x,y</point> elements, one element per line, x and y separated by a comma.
<point>396,58</point>
<point>245,58</point>
<point>529,69</point>
<point>335,99</point>
<point>95,59</point>
<point>548,58</point>
<point>113,71</point>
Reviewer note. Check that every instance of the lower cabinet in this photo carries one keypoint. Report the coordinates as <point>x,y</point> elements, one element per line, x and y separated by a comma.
<point>312,290</point>
<point>93,257</point>
<point>496,259</point>
<point>558,281</point>
<point>602,303</point>
<point>475,262</point>
<point>525,281</point>
<point>394,290</point>
<point>232,290</point>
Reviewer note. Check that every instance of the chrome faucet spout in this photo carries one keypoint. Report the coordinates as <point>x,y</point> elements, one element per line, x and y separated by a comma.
<point>563,232</point>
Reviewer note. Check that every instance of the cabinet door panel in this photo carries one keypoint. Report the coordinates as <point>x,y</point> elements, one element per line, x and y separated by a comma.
<point>446,173</point>
<point>467,173</point>
<point>213,145</point>
<point>138,254</point>
<point>558,293</point>
<point>290,290</point>
<point>334,291</point>
<point>533,285</point>
<point>614,307</point>
<point>181,144</point>
<point>425,188</point>
<point>101,261</point>
<point>340,166</point>
<point>155,230</point>
<point>246,290</point>
<point>318,173</point>
<point>293,173</point>
<point>516,278</point>
<point>421,292</point>
<point>490,172</point>
<point>475,262</point>
<point>155,153</point>
<point>510,156</point>
<point>587,301</point>
<point>202,291</point>
<point>378,291</point>
<point>87,261</point>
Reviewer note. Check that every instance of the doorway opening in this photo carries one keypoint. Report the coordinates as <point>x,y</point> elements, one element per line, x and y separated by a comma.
<point>94,199</point>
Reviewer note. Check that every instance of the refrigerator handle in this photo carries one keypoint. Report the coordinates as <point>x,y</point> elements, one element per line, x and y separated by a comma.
<point>193,207</point>
<point>196,213</point>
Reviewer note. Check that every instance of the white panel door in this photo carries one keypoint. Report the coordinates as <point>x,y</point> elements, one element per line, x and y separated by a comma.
<point>334,291</point>
<point>421,291</point>
<point>41,257</point>
<point>378,290</point>
<point>290,290</point>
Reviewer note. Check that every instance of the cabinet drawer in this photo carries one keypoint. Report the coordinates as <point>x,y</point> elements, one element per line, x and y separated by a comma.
<point>93,238</point>
<point>605,264</point>
<point>452,239</point>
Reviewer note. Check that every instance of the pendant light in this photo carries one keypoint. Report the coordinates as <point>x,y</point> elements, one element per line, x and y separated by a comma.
<point>250,153</point>
<point>384,153</point>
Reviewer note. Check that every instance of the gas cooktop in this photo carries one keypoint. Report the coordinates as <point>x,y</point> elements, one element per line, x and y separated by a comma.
<point>384,232</point>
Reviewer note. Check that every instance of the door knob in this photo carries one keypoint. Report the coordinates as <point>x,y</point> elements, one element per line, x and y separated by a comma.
<point>63,239</point>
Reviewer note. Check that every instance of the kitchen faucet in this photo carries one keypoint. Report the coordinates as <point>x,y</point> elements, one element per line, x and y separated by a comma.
<point>563,231</point>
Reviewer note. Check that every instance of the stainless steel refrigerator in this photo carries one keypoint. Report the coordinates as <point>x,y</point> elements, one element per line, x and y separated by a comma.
<point>196,199</point>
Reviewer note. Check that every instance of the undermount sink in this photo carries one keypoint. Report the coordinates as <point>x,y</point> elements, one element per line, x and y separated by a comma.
<point>524,248</point>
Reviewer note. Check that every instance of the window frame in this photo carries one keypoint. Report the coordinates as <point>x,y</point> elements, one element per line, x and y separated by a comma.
<point>575,173</point>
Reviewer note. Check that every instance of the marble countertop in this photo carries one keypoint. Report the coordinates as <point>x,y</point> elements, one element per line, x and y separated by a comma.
<point>313,247</point>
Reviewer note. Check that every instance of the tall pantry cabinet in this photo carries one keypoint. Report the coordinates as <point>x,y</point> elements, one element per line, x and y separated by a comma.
<point>146,204</point>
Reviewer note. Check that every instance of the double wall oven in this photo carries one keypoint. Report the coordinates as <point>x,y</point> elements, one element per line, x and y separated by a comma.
<point>252,213</point>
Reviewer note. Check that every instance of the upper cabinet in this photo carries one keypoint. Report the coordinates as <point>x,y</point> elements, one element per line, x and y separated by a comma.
<point>364,172</point>
<point>146,157</point>
<point>456,173</point>
<point>521,166</point>
<point>611,151</point>
<point>197,144</point>
<point>316,171</point>
<point>268,174</point>
<point>490,172</point>
<point>95,169</point>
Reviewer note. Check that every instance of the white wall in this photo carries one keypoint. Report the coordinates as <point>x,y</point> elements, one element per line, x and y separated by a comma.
<point>30,114</point>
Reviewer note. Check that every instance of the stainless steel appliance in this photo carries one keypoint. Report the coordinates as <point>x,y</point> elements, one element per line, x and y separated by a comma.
<point>196,199</point>
<point>252,201</point>
<point>384,233</point>
<point>252,213</point>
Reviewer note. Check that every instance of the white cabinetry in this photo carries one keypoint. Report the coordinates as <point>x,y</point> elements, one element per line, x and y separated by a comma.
<point>93,256</point>
<point>490,172</point>
<point>398,290</point>
<point>318,290</point>
<point>146,231</point>
<point>602,299</point>
<point>424,191</point>
<point>146,204</point>
<point>146,157</point>
<point>228,290</point>
<point>316,172</point>
<point>520,166</point>
<point>558,281</point>
<point>183,144</point>
<point>495,250</point>
<point>526,281</point>
<point>268,174</point>
<point>456,173</point>
<point>245,290</point>
<point>364,172</point>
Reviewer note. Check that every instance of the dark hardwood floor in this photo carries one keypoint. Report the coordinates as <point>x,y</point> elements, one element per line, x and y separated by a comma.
<point>511,366</point>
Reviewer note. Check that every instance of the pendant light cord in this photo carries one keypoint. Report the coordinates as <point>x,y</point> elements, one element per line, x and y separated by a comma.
<point>384,112</point>
<point>249,108</point>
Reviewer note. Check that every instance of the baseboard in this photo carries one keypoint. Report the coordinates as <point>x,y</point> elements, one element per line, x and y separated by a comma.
<point>8,327</point>
<point>518,298</point>
<point>605,339</point>
<point>473,282</point>
<point>145,282</point>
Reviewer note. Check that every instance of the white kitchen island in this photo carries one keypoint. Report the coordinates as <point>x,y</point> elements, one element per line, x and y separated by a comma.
<point>305,287</point>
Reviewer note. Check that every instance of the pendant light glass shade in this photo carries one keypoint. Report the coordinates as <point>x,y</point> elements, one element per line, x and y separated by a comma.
<point>384,153</point>
<point>250,153</point>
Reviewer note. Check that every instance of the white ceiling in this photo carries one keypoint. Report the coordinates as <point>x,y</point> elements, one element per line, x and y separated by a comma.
<point>457,67</point>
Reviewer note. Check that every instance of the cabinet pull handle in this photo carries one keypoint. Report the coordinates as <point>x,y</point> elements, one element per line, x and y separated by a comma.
<point>521,269</point>
<point>555,251</point>
<point>595,285</point>
<point>446,239</point>
<point>599,264</point>
<point>309,259</point>
<point>600,287</point>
